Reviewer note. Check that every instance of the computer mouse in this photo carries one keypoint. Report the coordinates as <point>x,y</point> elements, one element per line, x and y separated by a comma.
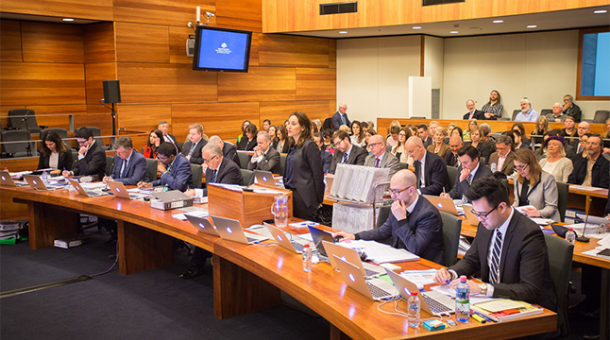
<point>338,238</point>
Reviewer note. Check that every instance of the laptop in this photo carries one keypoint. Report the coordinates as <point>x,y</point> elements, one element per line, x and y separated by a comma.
<point>444,204</point>
<point>36,183</point>
<point>318,236</point>
<point>375,289</point>
<point>7,181</point>
<point>265,178</point>
<point>350,255</point>
<point>203,224</point>
<point>118,190</point>
<point>283,240</point>
<point>232,230</point>
<point>82,191</point>
<point>432,302</point>
<point>472,219</point>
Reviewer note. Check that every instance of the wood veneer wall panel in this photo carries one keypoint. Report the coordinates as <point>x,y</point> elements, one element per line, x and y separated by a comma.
<point>96,115</point>
<point>259,84</point>
<point>177,45</point>
<point>161,12</point>
<point>10,40</point>
<point>95,75</point>
<point>142,43</point>
<point>316,84</point>
<point>99,43</point>
<point>52,43</point>
<point>278,112</point>
<point>91,9</point>
<point>288,51</point>
<point>332,53</point>
<point>131,117</point>
<point>243,14</point>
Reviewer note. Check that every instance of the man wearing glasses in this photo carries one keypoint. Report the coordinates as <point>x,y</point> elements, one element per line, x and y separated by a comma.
<point>346,152</point>
<point>414,224</point>
<point>175,169</point>
<point>503,159</point>
<point>91,156</point>
<point>509,251</point>
<point>379,157</point>
<point>129,165</point>
<point>430,170</point>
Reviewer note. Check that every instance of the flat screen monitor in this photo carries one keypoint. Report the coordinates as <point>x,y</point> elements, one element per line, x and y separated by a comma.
<point>221,49</point>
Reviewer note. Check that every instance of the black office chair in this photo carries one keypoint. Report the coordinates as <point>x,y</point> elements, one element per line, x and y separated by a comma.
<point>403,165</point>
<point>63,134</point>
<point>283,164</point>
<point>452,172</point>
<point>418,117</point>
<point>601,116</point>
<point>560,255</point>
<point>483,161</point>
<point>244,159</point>
<point>504,182</point>
<point>545,112</point>
<point>515,113</point>
<point>18,122</point>
<point>247,177</point>
<point>452,226</point>
<point>97,135</point>
<point>563,191</point>
<point>197,175</point>
<point>151,169</point>
<point>504,119</point>
<point>382,216</point>
<point>17,149</point>
<point>109,165</point>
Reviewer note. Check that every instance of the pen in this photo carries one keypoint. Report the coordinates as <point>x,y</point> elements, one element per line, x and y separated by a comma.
<point>481,315</point>
<point>477,318</point>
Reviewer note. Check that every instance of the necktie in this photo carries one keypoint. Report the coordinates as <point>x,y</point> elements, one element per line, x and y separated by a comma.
<point>344,160</point>
<point>469,179</point>
<point>192,149</point>
<point>168,138</point>
<point>124,170</point>
<point>494,272</point>
<point>419,176</point>
<point>213,176</point>
<point>343,119</point>
<point>377,162</point>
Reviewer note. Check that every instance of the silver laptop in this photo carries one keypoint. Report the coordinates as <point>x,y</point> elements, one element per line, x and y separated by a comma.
<point>118,190</point>
<point>445,204</point>
<point>350,255</point>
<point>318,236</point>
<point>231,230</point>
<point>375,289</point>
<point>36,183</point>
<point>432,302</point>
<point>472,219</point>
<point>7,181</point>
<point>82,191</point>
<point>285,241</point>
<point>203,224</point>
<point>265,178</point>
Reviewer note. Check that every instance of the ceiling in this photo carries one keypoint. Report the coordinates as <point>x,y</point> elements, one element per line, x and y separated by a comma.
<point>577,18</point>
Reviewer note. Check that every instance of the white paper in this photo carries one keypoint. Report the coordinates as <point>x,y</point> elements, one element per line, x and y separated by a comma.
<point>305,237</point>
<point>582,187</point>
<point>541,221</point>
<point>380,253</point>
<point>94,185</point>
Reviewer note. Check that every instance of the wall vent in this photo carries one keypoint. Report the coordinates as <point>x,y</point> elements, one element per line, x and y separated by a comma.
<point>440,2</point>
<point>338,8</point>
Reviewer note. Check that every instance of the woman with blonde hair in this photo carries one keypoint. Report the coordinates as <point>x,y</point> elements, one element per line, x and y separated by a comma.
<point>473,124</point>
<point>439,147</point>
<point>556,163</point>
<point>542,126</point>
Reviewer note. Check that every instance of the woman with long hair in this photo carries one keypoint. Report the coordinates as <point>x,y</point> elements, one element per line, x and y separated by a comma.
<point>272,133</point>
<point>55,154</point>
<point>281,143</point>
<point>542,127</point>
<point>357,137</point>
<point>473,124</point>
<point>155,138</point>
<point>524,140</point>
<point>439,147</point>
<point>475,141</point>
<point>399,151</point>
<point>243,130</point>
<point>569,129</point>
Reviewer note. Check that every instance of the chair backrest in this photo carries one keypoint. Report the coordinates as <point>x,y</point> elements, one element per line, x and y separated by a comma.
<point>545,112</point>
<point>452,226</point>
<point>18,123</point>
<point>244,159</point>
<point>197,175</point>
<point>504,182</point>
<point>63,134</point>
<point>17,149</point>
<point>283,164</point>
<point>563,191</point>
<point>483,161</point>
<point>515,113</point>
<point>247,176</point>
<point>382,216</point>
<point>601,116</point>
<point>452,172</point>
<point>403,165</point>
<point>109,164</point>
<point>151,169</point>
<point>96,134</point>
<point>560,255</point>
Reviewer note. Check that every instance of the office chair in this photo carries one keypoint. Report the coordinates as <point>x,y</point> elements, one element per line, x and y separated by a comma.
<point>560,263</point>
<point>151,169</point>
<point>452,172</point>
<point>545,112</point>
<point>109,165</point>
<point>403,165</point>
<point>197,171</point>
<point>247,177</point>
<point>563,191</point>
<point>63,134</point>
<point>244,159</point>
<point>452,226</point>
<point>515,113</point>
<point>601,116</point>
<point>21,123</point>
<point>382,216</point>
<point>17,149</point>
<point>283,164</point>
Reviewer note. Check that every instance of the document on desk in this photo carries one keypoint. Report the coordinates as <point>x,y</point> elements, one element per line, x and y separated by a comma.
<point>582,187</point>
<point>592,230</point>
<point>419,277</point>
<point>233,187</point>
<point>94,185</point>
<point>450,292</point>
<point>192,211</point>
<point>19,175</point>
<point>269,191</point>
<point>380,253</point>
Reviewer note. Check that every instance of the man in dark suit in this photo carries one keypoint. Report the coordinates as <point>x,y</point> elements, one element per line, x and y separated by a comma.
<point>414,224</point>
<point>571,109</point>
<point>430,170</point>
<point>473,113</point>
<point>346,152</point>
<point>340,117</point>
<point>192,148</point>
<point>451,156</point>
<point>167,137</point>
<point>379,158</point>
<point>584,129</point>
<point>326,158</point>
<point>598,176</point>
<point>503,159</point>
<point>129,165</point>
<point>265,157</point>
<point>422,132</point>
<point>91,156</point>
<point>470,170</point>
<point>175,169</point>
<point>509,251</point>
<point>228,150</point>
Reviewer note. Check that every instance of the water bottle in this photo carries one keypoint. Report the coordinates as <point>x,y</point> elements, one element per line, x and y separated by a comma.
<point>306,258</point>
<point>571,236</point>
<point>413,310</point>
<point>462,300</point>
<point>45,177</point>
<point>494,166</point>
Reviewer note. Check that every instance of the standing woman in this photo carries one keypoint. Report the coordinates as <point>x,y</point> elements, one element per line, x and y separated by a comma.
<point>248,141</point>
<point>55,154</point>
<point>281,143</point>
<point>357,137</point>
<point>303,173</point>
<point>154,140</point>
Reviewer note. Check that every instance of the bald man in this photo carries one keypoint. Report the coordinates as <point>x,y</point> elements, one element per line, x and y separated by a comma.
<point>430,170</point>
<point>228,150</point>
<point>414,224</point>
<point>340,117</point>
<point>379,157</point>
<point>583,129</point>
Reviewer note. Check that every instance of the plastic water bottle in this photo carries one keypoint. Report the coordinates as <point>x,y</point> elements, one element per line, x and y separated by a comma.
<point>306,258</point>
<point>45,177</point>
<point>571,236</point>
<point>462,300</point>
<point>494,166</point>
<point>413,310</point>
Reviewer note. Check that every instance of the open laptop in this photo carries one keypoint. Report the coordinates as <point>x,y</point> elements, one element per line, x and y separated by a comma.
<point>350,255</point>
<point>36,183</point>
<point>232,230</point>
<point>283,240</point>
<point>445,204</point>
<point>82,191</point>
<point>7,181</point>
<point>265,178</point>
<point>375,289</point>
<point>472,219</point>
<point>118,190</point>
<point>203,224</point>
<point>432,302</point>
<point>319,235</point>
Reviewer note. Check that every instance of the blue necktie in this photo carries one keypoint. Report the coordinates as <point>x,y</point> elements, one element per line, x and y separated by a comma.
<point>344,158</point>
<point>213,176</point>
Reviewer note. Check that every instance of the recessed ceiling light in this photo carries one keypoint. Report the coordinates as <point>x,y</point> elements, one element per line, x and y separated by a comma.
<point>68,19</point>
<point>498,21</point>
<point>342,32</point>
<point>600,11</point>
<point>416,27</point>
<point>453,32</point>
<point>531,26</point>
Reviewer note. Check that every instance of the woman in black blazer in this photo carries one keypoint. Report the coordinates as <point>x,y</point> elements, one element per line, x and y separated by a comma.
<point>248,141</point>
<point>303,174</point>
<point>281,143</point>
<point>55,154</point>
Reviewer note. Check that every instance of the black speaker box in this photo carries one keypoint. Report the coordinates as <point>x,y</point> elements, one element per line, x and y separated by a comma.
<point>112,91</point>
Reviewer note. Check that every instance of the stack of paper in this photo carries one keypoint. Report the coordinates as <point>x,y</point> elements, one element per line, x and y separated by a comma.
<point>380,253</point>
<point>356,182</point>
<point>352,218</point>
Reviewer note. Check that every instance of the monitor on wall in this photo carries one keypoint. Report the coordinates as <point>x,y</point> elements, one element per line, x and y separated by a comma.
<point>221,49</point>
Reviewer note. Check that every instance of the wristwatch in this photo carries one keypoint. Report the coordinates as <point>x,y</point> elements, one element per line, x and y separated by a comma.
<point>483,288</point>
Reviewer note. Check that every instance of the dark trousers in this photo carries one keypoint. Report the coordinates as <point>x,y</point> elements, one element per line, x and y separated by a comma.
<point>200,256</point>
<point>300,209</point>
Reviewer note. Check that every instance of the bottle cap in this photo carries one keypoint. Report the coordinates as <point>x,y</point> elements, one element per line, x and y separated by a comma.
<point>570,229</point>
<point>463,278</point>
<point>307,246</point>
<point>413,293</point>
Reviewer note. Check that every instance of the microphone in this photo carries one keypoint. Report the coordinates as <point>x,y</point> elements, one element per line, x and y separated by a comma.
<point>583,238</point>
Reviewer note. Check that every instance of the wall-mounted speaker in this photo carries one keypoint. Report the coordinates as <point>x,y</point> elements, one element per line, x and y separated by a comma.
<point>112,91</point>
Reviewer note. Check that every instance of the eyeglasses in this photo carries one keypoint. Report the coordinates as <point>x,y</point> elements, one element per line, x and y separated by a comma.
<point>521,167</point>
<point>209,160</point>
<point>396,192</point>
<point>483,216</point>
<point>374,144</point>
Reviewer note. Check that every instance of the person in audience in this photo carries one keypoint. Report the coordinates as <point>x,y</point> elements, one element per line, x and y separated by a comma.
<point>357,137</point>
<point>473,124</point>
<point>281,143</point>
<point>571,109</point>
<point>557,116</point>
<point>55,154</point>
<point>243,130</point>
<point>439,147</point>
<point>364,125</point>
<point>469,171</point>
<point>607,136</point>
<point>379,158</point>
<point>591,171</point>
<point>399,150</point>
<point>556,163</point>
<point>430,170</point>
<point>524,140</point>
<point>534,187</point>
<point>265,157</point>
<point>450,129</point>
<point>493,109</point>
<point>392,140</point>
<point>192,149</point>
<point>413,129</point>
<point>266,125</point>
<point>503,159</point>
<point>451,157</point>
<point>569,149</point>
<point>346,152</point>
<point>91,156</point>
<point>473,113</point>
<point>583,129</point>
<point>371,124</point>
<point>340,117</point>
<point>273,133</point>
<point>129,165</point>
<point>317,125</point>
<point>515,135</point>
<point>392,124</point>
<point>414,224</point>
<point>228,150</point>
<point>368,134</point>
<point>486,138</point>
<point>475,140</point>
<point>527,114</point>
<point>432,128</point>
<point>167,137</point>
<point>457,131</point>
<point>326,158</point>
<point>155,138</point>
<point>569,130</point>
<point>422,132</point>
<point>175,169</point>
<point>518,266</point>
<point>542,126</point>
<point>248,141</point>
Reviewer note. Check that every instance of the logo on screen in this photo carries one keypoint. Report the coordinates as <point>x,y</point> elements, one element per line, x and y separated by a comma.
<point>223,49</point>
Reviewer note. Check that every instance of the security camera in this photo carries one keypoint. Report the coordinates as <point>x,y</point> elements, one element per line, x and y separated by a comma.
<point>210,14</point>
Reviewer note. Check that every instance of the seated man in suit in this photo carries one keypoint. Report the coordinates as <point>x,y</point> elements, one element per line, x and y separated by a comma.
<point>469,171</point>
<point>591,171</point>
<point>503,159</point>
<point>340,117</point>
<point>473,113</point>
<point>265,157</point>
<point>167,137</point>
<point>509,251</point>
<point>414,224</point>
<point>91,156</point>
<point>451,157</point>
<point>422,132</point>
<point>326,158</point>
<point>228,150</point>
<point>430,170</point>
<point>129,165</point>
<point>584,129</point>
<point>346,152</point>
<point>192,148</point>
<point>175,169</point>
<point>379,157</point>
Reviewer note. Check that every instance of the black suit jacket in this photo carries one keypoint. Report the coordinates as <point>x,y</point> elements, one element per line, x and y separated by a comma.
<point>460,187</point>
<point>483,149</point>
<point>136,169</point>
<point>575,112</point>
<point>436,175</point>
<point>478,115</point>
<point>326,158</point>
<point>337,122</point>
<point>179,177</point>
<point>284,149</point>
<point>94,162</point>
<point>307,175</point>
<point>228,173</point>
<point>270,162</point>
<point>427,142</point>
<point>451,159</point>
<point>174,140</point>
<point>524,263</point>
<point>229,151</point>
<point>599,173</point>
<point>357,156</point>
<point>64,161</point>
<point>421,233</point>
<point>245,145</point>
<point>196,157</point>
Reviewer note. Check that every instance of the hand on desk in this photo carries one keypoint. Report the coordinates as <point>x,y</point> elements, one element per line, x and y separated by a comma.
<point>144,185</point>
<point>55,172</point>
<point>445,195</point>
<point>66,173</point>
<point>190,192</point>
<point>474,286</point>
<point>531,212</point>
<point>443,276</point>
<point>345,235</point>
<point>106,179</point>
